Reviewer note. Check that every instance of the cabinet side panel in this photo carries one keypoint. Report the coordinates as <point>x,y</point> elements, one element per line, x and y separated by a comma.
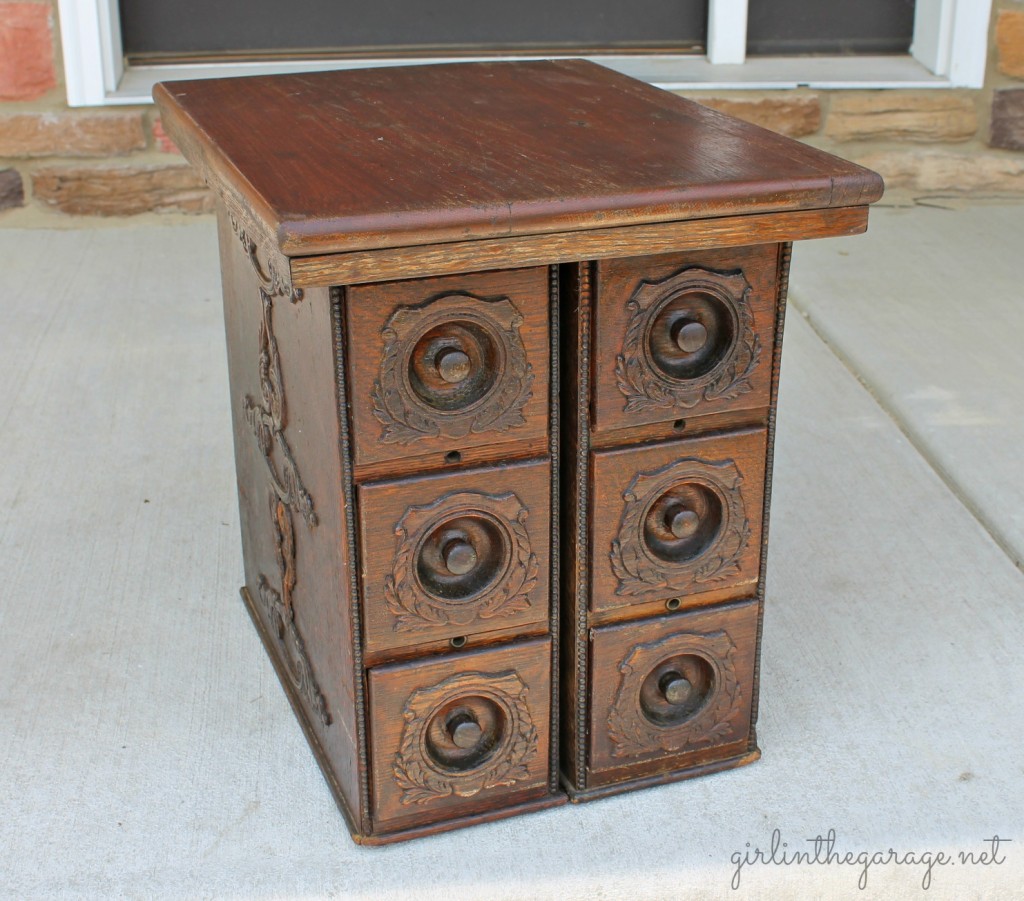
<point>785,254</point>
<point>288,461</point>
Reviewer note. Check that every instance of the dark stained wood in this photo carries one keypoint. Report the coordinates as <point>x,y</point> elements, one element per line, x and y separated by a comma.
<point>469,517</point>
<point>643,608</point>
<point>473,641</point>
<point>320,595</point>
<point>287,352</point>
<point>785,259</point>
<point>401,333</point>
<point>639,726</point>
<point>733,289</point>
<point>594,244</point>
<point>691,426</point>
<point>695,768</point>
<point>624,471</point>
<point>635,558</point>
<point>420,773</point>
<point>500,515</point>
<point>451,459</point>
<point>358,159</point>
<point>462,821</point>
<point>574,481</point>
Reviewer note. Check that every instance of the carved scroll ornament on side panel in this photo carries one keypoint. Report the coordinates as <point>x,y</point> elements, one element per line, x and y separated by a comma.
<point>271,279</point>
<point>267,418</point>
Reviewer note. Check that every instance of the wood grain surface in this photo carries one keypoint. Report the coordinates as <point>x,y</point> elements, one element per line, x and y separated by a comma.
<point>411,786</point>
<point>398,519</point>
<point>387,157</point>
<point>625,742</point>
<point>399,247</point>
<point>320,593</point>
<point>627,481</point>
<point>394,324</point>
<point>629,387</point>
<point>358,267</point>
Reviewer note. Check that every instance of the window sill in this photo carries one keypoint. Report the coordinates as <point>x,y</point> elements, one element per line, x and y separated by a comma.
<point>677,73</point>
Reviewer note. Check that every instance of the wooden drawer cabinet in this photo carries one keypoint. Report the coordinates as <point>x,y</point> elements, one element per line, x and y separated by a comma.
<point>674,528</point>
<point>504,344</point>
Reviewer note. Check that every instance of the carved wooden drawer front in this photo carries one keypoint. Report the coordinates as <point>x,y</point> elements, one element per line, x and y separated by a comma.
<point>679,520</point>
<point>682,335</point>
<point>461,733</point>
<point>440,364</point>
<point>672,692</point>
<point>449,556</point>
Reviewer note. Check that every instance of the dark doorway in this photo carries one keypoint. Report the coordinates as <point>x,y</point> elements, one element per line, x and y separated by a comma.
<point>780,27</point>
<point>255,28</point>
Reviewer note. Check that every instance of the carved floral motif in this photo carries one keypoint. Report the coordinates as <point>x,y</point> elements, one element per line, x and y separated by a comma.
<point>416,608</point>
<point>645,385</point>
<point>632,733</point>
<point>638,570</point>
<point>404,414</point>
<point>422,779</point>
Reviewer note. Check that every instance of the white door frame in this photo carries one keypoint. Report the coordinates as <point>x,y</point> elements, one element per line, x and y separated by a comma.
<point>949,49</point>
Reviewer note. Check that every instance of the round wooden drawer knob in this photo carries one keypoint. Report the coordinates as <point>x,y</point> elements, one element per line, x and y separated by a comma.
<point>465,733</point>
<point>453,366</point>
<point>676,689</point>
<point>690,336</point>
<point>459,557</point>
<point>682,522</point>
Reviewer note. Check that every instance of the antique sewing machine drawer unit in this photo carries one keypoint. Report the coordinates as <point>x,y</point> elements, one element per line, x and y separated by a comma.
<point>503,344</point>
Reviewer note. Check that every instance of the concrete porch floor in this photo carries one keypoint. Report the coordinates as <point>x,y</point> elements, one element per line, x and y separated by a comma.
<point>148,751</point>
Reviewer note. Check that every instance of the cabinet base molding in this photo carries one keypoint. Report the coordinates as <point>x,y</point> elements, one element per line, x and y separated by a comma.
<point>705,769</point>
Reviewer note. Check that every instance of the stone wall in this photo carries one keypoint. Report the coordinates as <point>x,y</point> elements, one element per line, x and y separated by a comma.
<point>59,164</point>
<point>925,143</point>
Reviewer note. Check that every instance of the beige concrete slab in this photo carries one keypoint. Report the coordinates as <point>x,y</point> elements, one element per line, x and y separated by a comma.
<point>147,750</point>
<point>928,308</point>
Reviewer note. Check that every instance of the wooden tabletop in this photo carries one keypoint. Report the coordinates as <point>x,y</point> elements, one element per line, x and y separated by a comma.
<point>410,155</point>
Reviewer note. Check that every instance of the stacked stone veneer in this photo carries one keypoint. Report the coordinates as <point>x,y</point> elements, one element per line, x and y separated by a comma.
<point>57,162</point>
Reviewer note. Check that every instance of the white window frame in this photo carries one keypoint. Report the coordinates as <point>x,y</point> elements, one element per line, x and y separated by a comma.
<point>949,50</point>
